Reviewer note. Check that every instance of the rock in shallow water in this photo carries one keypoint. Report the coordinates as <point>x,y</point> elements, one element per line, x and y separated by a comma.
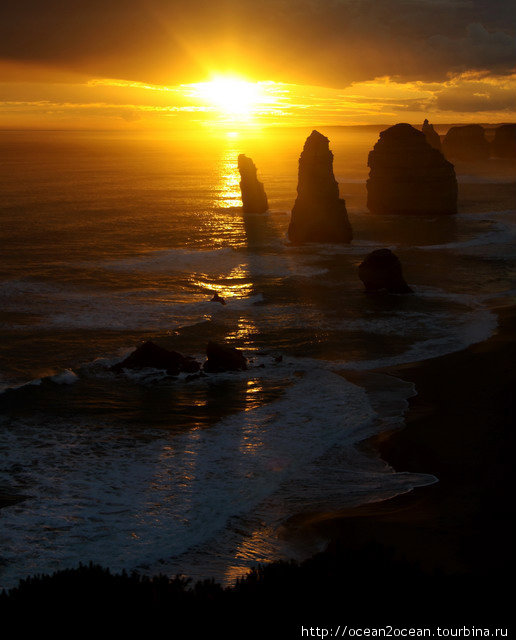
<point>319,215</point>
<point>381,270</point>
<point>152,356</point>
<point>223,358</point>
<point>254,199</point>
<point>408,176</point>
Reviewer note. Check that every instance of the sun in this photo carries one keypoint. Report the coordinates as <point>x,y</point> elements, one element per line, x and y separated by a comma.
<point>230,95</point>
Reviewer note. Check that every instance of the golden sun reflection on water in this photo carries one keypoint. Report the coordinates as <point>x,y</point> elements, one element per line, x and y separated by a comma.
<point>227,289</point>
<point>229,181</point>
<point>253,550</point>
<point>254,387</point>
<point>243,333</point>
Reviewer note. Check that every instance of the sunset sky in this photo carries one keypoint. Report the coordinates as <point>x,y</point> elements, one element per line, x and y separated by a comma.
<point>153,64</point>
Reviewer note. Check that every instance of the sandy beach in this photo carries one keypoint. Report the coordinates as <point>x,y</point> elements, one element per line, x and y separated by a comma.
<point>460,428</point>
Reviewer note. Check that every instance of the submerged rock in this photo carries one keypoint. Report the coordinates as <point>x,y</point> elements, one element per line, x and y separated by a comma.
<point>381,269</point>
<point>431,135</point>
<point>152,356</point>
<point>504,143</point>
<point>223,358</point>
<point>408,176</point>
<point>319,215</point>
<point>8,498</point>
<point>466,143</point>
<point>254,199</point>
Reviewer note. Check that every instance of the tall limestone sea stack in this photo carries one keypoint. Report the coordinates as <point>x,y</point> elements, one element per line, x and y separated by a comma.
<point>319,215</point>
<point>254,199</point>
<point>431,135</point>
<point>504,143</point>
<point>466,143</point>
<point>408,176</point>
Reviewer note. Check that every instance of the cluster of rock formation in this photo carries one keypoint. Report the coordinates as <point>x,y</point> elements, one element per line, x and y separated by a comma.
<point>469,143</point>
<point>220,357</point>
<point>408,176</point>
<point>319,214</point>
<point>254,198</point>
<point>381,270</point>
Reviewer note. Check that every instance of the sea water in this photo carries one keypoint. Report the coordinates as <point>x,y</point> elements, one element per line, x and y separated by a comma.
<point>109,240</point>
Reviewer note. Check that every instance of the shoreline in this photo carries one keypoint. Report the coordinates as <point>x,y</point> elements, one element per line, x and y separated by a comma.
<point>429,524</point>
<point>440,554</point>
<point>458,427</point>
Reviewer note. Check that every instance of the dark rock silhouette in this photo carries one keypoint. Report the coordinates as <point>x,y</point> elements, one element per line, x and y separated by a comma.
<point>254,199</point>
<point>408,176</point>
<point>466,143</point>
<point>8,498</point>
<point>319,215</point>
<point>152,356</point>
<point>431,135</point>
<point>504,143</point>
<point>223,358</point>
<point>217,298</point>
<point>380,270</point>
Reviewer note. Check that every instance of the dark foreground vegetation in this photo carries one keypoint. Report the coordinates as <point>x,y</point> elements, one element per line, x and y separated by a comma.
<point>363,587</point>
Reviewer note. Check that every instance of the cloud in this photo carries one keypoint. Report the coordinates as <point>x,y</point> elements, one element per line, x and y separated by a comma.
<point>331,43</point>
<point>477,95</point>
<point>477,49</point>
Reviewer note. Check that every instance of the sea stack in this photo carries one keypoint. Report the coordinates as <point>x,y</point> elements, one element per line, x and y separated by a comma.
<point>431,135</point>
<point>319,215</point>
<point>466,143</point>
<point>504,143</point>
<point>254,199</point>
<point>408,176</point>
<point>381,270</point>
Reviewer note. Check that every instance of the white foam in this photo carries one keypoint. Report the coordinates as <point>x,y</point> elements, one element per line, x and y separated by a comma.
<point>31,383</point>
<point>166,504</point>
<point>220,262</point>
<point>500,233</point>
<point>476,326</point>
<point>65,377</point>
<point>189,260</point>
<point>147,309</point>
<point>97,497</point>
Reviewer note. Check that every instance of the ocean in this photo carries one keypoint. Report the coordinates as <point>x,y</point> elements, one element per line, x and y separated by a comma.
<point>109,240</point>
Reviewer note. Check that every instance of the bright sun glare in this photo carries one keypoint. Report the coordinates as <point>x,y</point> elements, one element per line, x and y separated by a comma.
<point>231,96</point>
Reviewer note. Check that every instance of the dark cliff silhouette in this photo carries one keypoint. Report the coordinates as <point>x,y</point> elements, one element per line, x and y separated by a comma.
<point>254,199</point>
<point>466,143</point>
<point>408,176</point>
<point>431,135</point>
<point>504,143</point>
<point>319,215</point>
